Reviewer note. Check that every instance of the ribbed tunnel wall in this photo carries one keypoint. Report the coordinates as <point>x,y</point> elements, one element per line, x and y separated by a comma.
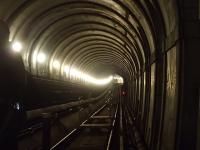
<point>139,40</point>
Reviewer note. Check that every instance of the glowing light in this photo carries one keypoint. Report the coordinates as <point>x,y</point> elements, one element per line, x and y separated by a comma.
<point>56,64</point>
<point>17,47</point>
<point>90,79</point>
<point>76,74</point>
<point>41,57</point>
<point>103,81</point>
<point>66,70</point>
<point>87,78</point>
<point>118,79</point>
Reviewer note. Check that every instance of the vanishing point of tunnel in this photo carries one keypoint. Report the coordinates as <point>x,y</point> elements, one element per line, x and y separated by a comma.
<point>99,75</point>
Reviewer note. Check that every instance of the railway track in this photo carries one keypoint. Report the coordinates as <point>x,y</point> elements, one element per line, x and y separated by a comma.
<point>95,133</point>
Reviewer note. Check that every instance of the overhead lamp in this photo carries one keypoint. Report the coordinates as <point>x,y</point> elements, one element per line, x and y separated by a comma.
<point>56,64</point>
<point>41,57</point>
<point>66,70</point>
<point>17,47</point>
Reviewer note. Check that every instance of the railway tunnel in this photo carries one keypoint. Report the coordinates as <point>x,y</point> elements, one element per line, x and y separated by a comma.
<point>104,74</point>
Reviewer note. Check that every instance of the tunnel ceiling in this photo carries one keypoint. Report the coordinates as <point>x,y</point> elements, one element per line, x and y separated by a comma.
<point>95,36</point>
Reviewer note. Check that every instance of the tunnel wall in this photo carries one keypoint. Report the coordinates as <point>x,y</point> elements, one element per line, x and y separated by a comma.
<point>166,94</point>
<point>155,89</point>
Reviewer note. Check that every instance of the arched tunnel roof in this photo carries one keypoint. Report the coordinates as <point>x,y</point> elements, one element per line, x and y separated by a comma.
<point>96,36</point>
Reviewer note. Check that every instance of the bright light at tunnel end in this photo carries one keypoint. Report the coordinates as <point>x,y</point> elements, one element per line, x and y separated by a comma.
<point>100,81</point>
<point>74,73</point>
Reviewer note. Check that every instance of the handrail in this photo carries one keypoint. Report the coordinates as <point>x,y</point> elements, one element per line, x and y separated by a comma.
<point>52,109</point>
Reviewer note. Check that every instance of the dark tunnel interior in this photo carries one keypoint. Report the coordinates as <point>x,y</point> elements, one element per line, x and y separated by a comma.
<point>137,59</point>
